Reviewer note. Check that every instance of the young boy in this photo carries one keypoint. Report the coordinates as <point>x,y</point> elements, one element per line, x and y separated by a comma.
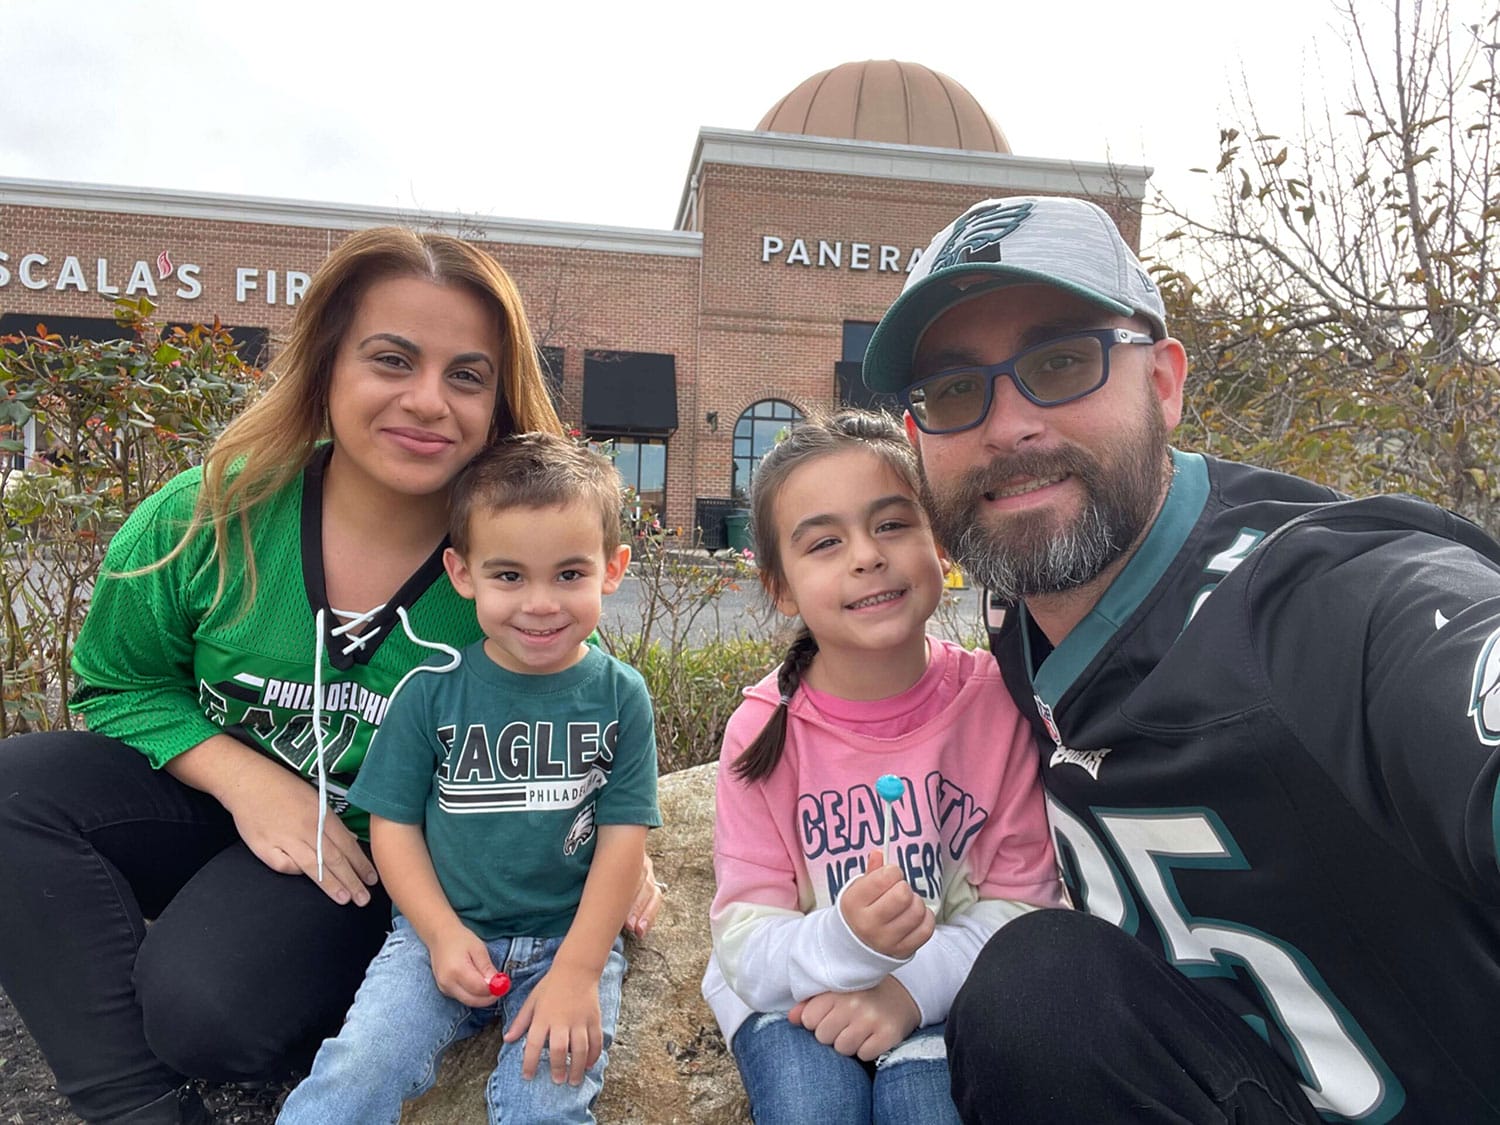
<point>510,789</point>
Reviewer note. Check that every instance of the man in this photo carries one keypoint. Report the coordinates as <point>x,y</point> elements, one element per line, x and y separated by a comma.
<point>1268,719</point>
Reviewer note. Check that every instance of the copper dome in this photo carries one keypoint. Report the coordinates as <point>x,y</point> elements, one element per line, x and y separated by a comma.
<point>893,102</point>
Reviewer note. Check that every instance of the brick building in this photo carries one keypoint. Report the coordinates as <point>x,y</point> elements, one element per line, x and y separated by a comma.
<point>690,348</point>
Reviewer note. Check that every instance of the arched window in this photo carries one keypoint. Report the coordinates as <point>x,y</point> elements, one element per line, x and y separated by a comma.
<point>754,433</point>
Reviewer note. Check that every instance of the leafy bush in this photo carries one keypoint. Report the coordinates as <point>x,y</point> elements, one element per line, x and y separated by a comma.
<point>113,421</point>
<point>695,690</point>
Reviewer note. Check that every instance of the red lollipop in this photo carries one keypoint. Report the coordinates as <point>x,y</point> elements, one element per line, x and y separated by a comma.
<point>499,984</point>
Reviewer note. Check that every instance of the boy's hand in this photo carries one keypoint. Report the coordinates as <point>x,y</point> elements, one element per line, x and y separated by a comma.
<point>561,1014</point>
<point>461,966</point>
<point>863,1024</point>
<point>884,912</point>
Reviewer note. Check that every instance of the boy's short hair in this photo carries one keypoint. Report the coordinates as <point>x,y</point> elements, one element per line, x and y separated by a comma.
<point>535,470</point>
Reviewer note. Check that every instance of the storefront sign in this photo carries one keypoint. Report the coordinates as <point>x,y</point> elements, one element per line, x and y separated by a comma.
<point>819,253</point>
<point>144,277</point>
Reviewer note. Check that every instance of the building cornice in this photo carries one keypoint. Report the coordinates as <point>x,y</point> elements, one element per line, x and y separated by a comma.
<point>986,170</point>
<point>215,207</point>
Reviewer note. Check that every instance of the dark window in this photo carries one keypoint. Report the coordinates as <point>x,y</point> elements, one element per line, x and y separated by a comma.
<point>857,335</point>
<point>642,465</point>
<point>68,327</point>
<point>849,370</point>
<point>756,431</point>
<point>250,343</point>
<point>853,392</point>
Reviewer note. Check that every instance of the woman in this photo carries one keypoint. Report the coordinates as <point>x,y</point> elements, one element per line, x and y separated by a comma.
<point>256,618</point>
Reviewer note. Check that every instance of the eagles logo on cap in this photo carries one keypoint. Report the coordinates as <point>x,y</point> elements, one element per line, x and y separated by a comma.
<point>976,236</point>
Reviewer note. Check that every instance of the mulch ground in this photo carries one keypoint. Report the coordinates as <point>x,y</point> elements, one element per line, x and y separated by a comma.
<point>28,1096</point>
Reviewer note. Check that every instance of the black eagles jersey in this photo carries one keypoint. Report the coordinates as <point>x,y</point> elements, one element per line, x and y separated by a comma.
<point>1271,755</point>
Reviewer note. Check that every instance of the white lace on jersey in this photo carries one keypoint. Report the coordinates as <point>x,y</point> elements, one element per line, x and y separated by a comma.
<point>354,642</point>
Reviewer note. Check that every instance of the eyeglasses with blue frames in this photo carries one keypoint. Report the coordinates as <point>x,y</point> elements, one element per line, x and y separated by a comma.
<point>1048,374</point>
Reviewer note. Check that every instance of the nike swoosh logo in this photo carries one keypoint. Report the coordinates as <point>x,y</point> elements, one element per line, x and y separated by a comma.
<point>1438,620</point>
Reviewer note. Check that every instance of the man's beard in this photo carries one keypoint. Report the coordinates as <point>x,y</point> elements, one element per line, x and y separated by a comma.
<point>1023,554</point>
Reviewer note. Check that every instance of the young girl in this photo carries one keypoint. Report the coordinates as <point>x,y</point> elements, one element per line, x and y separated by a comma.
<point>838,946</point>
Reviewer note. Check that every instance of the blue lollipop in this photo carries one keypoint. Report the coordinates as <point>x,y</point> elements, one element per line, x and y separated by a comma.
<point>889,787</point>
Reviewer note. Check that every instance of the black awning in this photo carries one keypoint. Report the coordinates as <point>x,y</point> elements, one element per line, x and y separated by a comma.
<point>629,392</point>
<point>250,343</point>
<point>98,328</point>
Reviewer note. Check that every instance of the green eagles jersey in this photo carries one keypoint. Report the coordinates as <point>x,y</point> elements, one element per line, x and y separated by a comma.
<point>163,666</point>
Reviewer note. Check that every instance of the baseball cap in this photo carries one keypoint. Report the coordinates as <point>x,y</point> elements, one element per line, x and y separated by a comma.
<point>1069,243</point>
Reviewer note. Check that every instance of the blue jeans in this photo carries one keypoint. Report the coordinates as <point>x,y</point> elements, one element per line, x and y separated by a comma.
<point>791,1077</point>
<point>395,1034</point>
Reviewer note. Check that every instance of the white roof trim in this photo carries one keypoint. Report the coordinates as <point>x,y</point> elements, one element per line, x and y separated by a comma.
<point>217,207</point>
<point>1014,174</point>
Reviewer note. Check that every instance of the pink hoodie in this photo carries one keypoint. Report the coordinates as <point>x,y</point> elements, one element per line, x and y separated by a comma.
<point>970,833</point>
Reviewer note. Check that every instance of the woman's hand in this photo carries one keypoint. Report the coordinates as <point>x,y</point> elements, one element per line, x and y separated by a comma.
<point>276,813</point>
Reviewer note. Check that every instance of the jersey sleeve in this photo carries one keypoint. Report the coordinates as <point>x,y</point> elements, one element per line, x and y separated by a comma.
<point>397,775</point>
<point>630,796</point>
<point>134,655</point>
<point>770,952</point>
<point>1400,631</point>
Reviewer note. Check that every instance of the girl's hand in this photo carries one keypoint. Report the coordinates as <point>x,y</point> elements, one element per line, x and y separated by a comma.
<point>863,1024</point>
<point>884,912</point>
<point>461,965</point>
<point>561,1014</point>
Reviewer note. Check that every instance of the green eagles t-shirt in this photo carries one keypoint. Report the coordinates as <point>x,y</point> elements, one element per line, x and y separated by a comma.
<point>509,775</point>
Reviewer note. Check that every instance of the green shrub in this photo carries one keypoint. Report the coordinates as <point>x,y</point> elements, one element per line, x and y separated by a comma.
<point>113,421</point>
<point>695,690</point>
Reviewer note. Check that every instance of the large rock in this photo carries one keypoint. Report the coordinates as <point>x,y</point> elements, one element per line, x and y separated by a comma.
<point>668,1062</point>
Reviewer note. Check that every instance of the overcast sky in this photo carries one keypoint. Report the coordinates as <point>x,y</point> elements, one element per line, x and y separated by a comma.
<point>587,112</point>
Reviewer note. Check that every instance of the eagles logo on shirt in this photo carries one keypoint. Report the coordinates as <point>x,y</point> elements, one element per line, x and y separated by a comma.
<point>1087,760</point>
<point>580,831</point>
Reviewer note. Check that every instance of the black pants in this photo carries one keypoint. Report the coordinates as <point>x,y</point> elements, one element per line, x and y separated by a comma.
<point>240,976</point>
<point>1066,1018</point>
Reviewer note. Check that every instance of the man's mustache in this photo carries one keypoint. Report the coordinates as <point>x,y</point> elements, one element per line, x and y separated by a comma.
<point>1001,472</point>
